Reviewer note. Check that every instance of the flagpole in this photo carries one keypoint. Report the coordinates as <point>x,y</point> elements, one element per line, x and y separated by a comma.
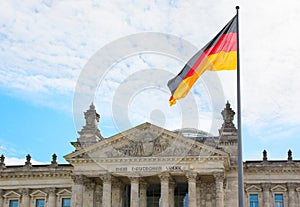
<point>240,157</point>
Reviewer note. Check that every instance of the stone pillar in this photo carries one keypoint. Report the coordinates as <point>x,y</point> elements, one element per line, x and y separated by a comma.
<point>134,193</point>
<point>116,196</point>
<point>77,190</point>
<point>51,197</point>
<point>1,198</point>
<point>88,194</point>
<point>292,194</point>
<point>164,189</point>
<point>219,179</point>
<point>266,194</point>
<point>98,195</point>
<point>106,199</point>
<point>171,193</point>
<point>198,190</point>
<point>143,193</point>
<point>192,199</point>
<point>25,198</point>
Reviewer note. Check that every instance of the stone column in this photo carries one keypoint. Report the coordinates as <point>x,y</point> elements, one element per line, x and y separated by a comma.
<point>164,189</point>
<point>192,199</point>
<point>292,194</point>
<point>266,194</point>
<point>134,193</point>
<point>51,197</point>
<point>198,189</point>
<point>1,198</point>
<point>88,194</point>
<point>116,197</point>
<point>77,190</point>
<point>219,179</point>
<point>143,193</point>
<point>25,198</point>
<point>106,199</point>
<point>171,193</point>
<point>98,195</point>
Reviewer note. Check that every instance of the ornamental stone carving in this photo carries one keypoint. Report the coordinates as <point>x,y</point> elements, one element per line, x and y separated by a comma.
<point>79,179</point>
<point>135,180</point>
<point>106,178</point>
<point>147,147</point>
<point>164,177</point>
<point>25,192</point>
<point>228,125</point>
<point>133,148</point>
<point>51,191</point>
<point>266,186</point>
<point>191,176</point>
<point>2,163</point>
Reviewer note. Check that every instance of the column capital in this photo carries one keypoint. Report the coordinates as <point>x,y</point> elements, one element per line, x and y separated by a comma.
<point>191,176</point>
<point>266,186</point>
<point>164,177</point>
<point>291,186</point>
<point>25,192</point>
<point>106,178</point>
<point>78,179</point>
<point>51,191</point>
<point>134,179</point>
<point>219,176</point>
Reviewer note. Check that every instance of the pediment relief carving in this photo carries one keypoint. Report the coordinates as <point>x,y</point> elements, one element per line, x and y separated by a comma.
<point>148,141</point>
<point>146,146</point>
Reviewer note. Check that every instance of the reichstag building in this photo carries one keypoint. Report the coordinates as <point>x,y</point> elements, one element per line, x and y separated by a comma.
<point>148,166</point>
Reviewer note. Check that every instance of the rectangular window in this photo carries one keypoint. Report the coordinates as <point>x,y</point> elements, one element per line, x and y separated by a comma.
<point>278,200</point>
<point>40,203</point>
<point>253,200</point>
<point>66,202</point>
<point>13,203</point>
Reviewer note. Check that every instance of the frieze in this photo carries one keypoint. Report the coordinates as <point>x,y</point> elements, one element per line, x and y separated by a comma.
<point>146,147</point>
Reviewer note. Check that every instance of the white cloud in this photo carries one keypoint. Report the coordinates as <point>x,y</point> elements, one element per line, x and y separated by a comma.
<point>44,46</point>
<point>20,161</point>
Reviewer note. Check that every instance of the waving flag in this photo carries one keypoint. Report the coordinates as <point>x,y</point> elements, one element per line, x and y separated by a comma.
<point>219,54</point>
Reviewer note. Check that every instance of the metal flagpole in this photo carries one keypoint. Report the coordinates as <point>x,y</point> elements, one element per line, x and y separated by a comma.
<point>240,157</point>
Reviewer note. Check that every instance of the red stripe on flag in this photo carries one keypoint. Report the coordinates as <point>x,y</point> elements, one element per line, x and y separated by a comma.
<point>227,43</point>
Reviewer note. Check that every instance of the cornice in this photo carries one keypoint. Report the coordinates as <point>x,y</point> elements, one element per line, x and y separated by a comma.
<point>46,173</point>
<point>273,170</point>
<point>147,159</point>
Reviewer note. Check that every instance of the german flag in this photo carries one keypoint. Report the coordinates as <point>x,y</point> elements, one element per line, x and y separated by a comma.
<point>219,54</point>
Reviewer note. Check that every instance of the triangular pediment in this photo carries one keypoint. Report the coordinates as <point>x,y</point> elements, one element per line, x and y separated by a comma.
<point>278,188</point>
<point>64,192</point>
<point>38,193</point>
<point>253,188</point>
<point>12,194</point>
<point>146,140</point>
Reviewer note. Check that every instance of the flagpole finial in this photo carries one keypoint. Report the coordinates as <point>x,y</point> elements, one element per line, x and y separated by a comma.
<point>237,7</point>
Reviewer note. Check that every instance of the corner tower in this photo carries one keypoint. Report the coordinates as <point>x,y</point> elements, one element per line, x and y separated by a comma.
<point>228,133</point>
<point>90,133</point>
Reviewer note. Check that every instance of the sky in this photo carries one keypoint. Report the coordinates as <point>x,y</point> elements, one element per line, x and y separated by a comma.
<point>47,50</point>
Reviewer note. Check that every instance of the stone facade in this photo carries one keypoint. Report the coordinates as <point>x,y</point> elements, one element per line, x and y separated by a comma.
<point>150,166</point>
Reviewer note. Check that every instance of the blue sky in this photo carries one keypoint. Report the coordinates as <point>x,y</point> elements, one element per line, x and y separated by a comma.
<point>45,47</point>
